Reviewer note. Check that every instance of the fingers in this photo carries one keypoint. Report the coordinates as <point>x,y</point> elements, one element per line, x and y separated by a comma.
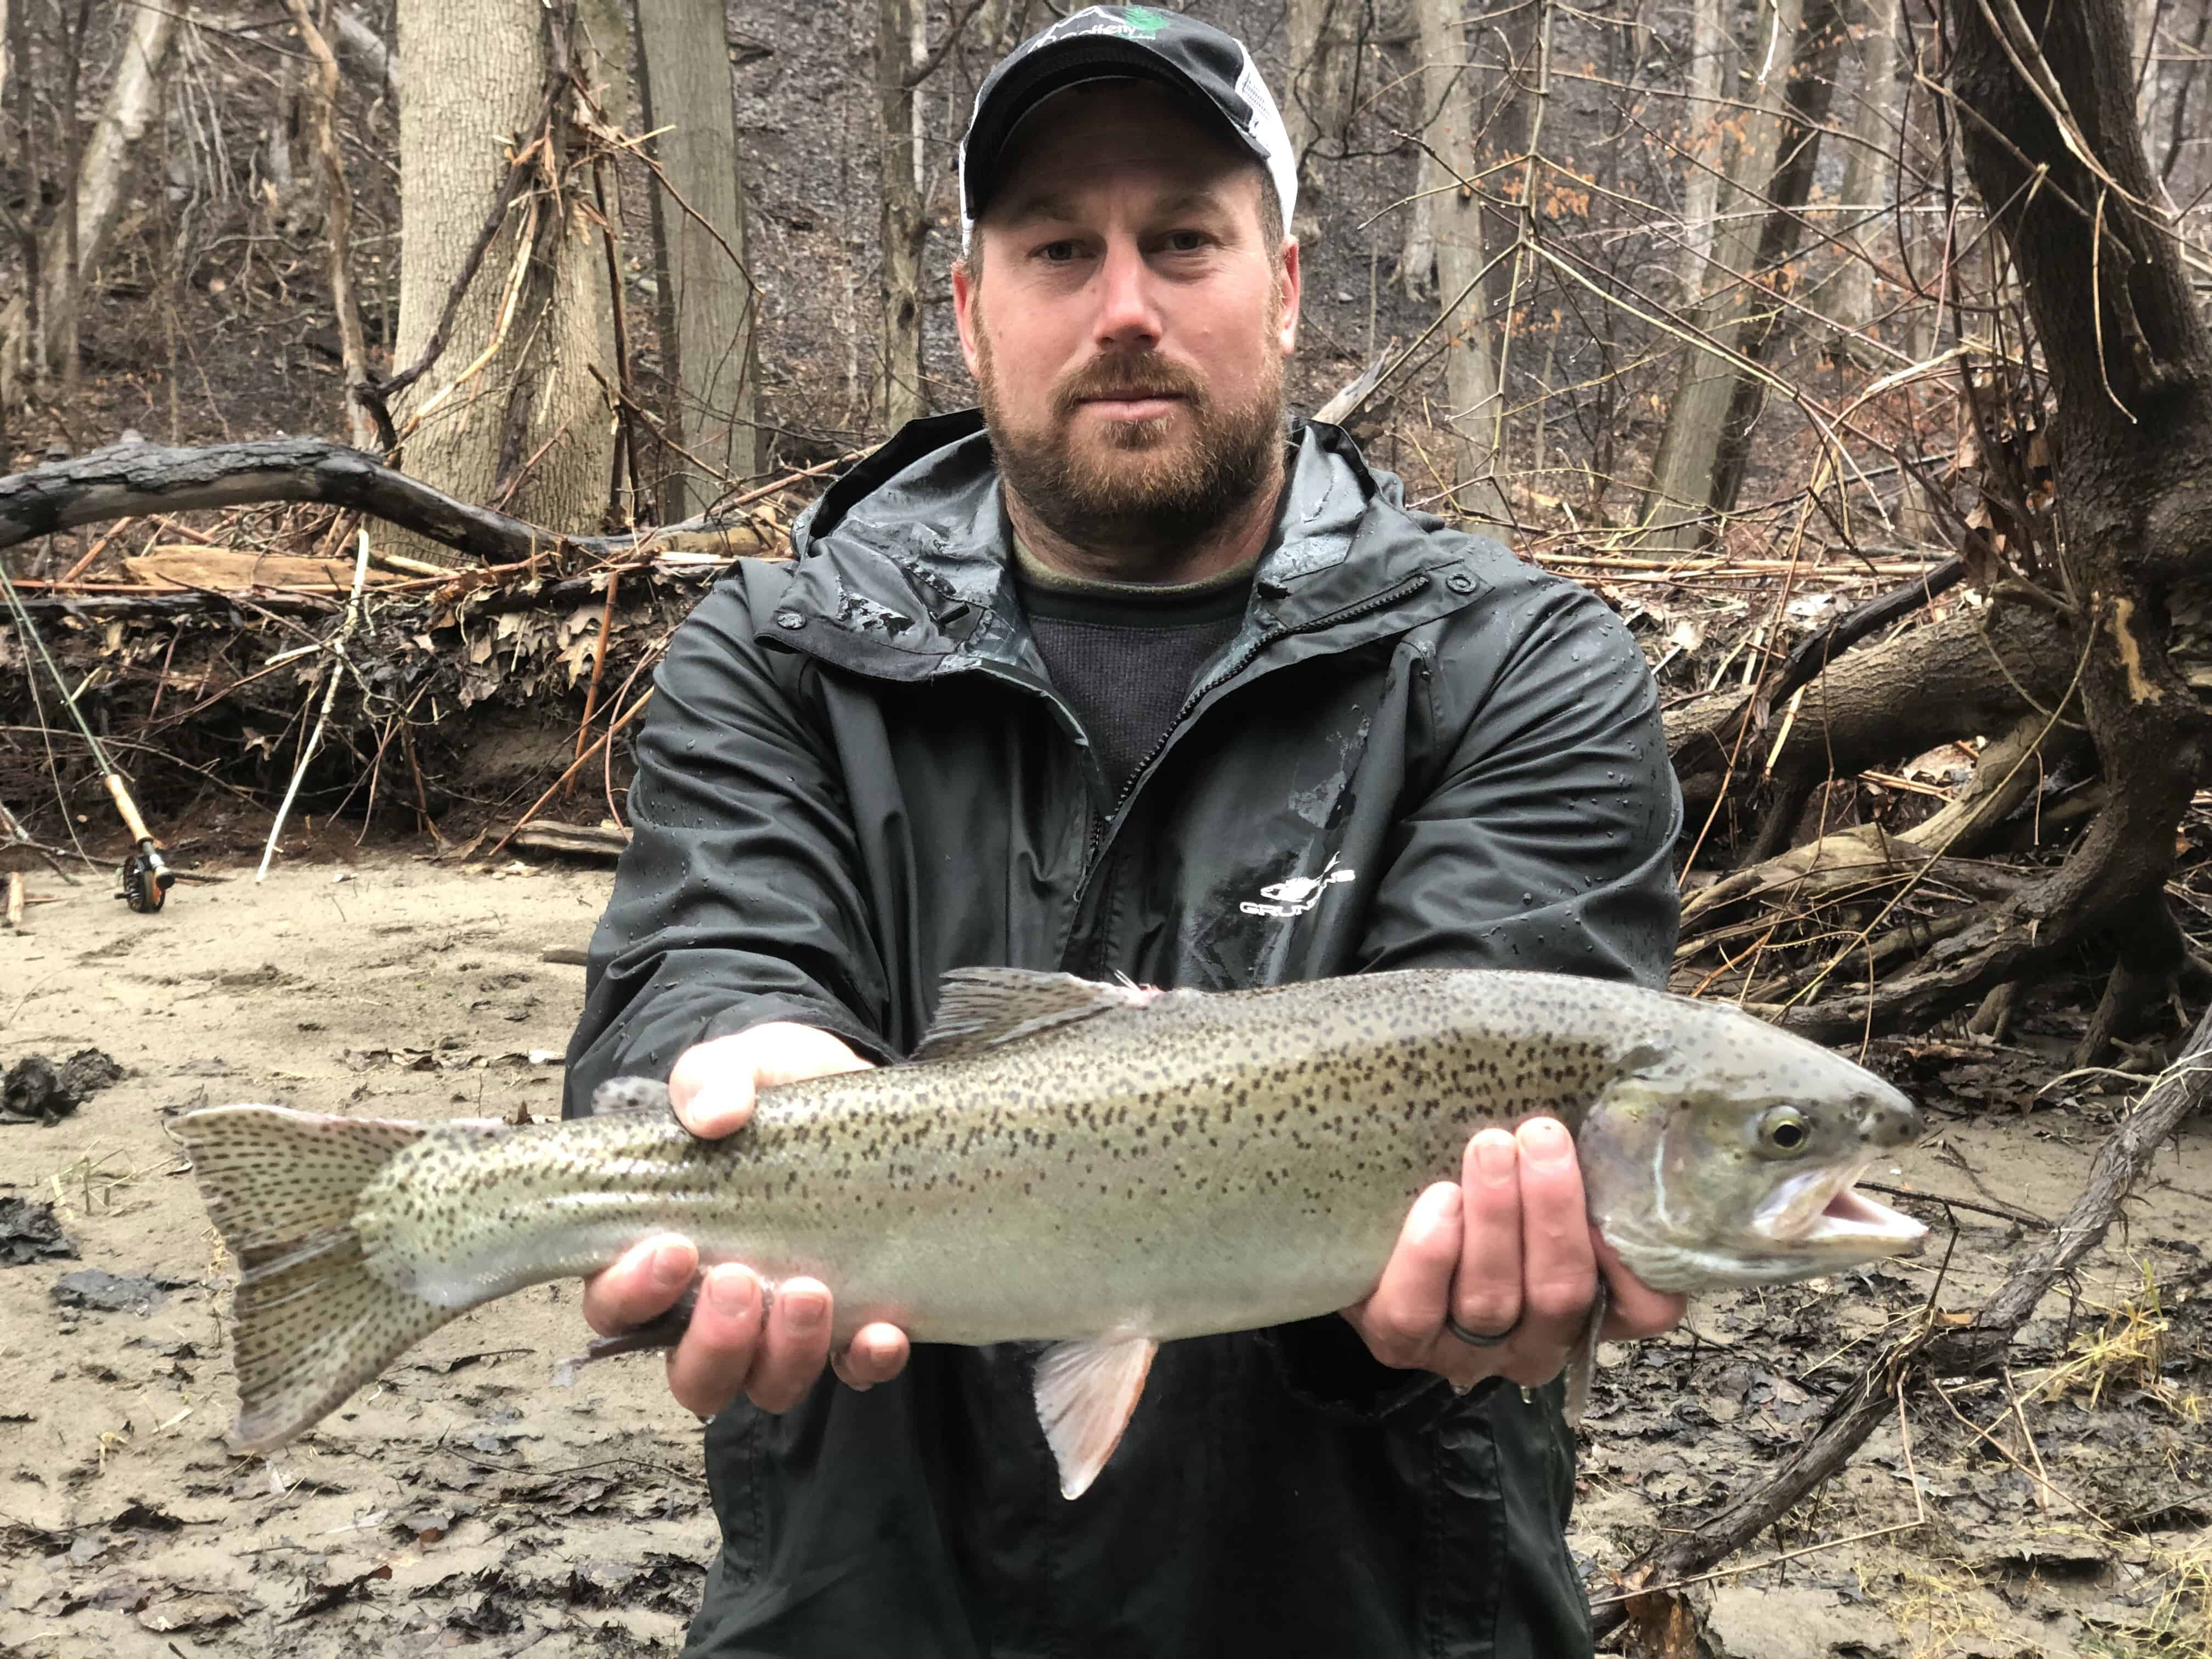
<point>1486,1288</point>
<point>1633,1308</point>
<point>709,1367</point>
<point>795,1344</point>
<point>770,1346</point>
<point>877,1353</point>
<point>1559,1267</point>
<point>643,1284</point>
<point>712,1084</point>
<point>1508,1248</point>
<point>1402,1319</point>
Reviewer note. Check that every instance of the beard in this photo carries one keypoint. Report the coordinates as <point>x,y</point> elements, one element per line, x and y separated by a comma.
<point>1136,483</point>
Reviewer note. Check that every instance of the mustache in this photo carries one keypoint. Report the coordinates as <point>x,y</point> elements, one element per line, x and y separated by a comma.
<point>1147,376</point>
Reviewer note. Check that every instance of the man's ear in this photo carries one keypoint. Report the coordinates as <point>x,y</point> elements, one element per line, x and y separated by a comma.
<point>1287,327</point>
<point>963,309</point>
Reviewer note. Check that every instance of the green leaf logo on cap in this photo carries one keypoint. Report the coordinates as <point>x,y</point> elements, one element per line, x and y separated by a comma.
<point>1145,18</point>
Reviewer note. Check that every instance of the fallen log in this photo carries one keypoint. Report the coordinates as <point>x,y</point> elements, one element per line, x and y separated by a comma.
<point>132,479</point>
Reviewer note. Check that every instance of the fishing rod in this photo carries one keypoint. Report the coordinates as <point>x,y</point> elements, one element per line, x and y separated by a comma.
<point>147,877</point>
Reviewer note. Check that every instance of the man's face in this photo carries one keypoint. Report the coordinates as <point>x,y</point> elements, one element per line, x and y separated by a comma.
<point>1126,321</point>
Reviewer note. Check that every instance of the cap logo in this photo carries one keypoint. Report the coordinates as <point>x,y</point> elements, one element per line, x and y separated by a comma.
<point>1099,20</point>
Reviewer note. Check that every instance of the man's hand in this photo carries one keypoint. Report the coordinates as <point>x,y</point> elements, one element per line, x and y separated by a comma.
<point>1507,1248</point>
<point>734,1345</point>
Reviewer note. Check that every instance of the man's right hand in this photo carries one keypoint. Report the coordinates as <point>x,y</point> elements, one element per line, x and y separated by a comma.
<point>732,1347</point>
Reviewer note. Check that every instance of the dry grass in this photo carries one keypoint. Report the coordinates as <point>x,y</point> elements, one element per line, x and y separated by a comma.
<point>2178,1624</point>
<point>2129,1353</point>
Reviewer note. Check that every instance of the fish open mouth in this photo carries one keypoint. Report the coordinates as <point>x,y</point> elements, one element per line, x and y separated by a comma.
<point>1824,1208</point>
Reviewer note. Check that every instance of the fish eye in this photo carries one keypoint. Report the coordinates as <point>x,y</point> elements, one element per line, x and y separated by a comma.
<point>1783,1131</point>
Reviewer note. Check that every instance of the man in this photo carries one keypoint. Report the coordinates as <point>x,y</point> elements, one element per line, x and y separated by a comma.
<point>1117,679</point>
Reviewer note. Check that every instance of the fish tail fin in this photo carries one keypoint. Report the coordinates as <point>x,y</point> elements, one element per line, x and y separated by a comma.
<point>311,1322</point>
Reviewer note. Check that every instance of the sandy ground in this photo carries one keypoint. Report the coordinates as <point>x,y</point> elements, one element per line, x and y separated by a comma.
<point>467,1501</point>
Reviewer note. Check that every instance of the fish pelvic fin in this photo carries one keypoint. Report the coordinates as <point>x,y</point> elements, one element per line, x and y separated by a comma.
<point>1085,1392</point>
<point>310,1323</point>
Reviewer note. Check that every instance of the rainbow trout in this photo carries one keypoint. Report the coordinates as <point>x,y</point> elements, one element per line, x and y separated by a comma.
<point>1104,1167</point>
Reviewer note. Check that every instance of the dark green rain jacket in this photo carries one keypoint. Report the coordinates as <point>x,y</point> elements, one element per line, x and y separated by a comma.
<point>1417,752</point>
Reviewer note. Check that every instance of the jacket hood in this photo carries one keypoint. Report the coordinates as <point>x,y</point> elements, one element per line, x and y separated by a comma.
<point>902,570</point>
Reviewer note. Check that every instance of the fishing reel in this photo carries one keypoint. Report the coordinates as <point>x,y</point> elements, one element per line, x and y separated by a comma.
<point>147,879</point>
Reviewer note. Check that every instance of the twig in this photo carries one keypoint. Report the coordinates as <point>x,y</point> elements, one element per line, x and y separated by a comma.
<point>330,697</point>
<point>598,659</point>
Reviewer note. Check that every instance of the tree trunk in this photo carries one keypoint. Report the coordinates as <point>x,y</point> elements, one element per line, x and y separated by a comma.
<point>2144,25</point>
<point>1681,487</point>
<point>1702,127</point>
<point>510,415</point>
<point>1866,168</point>
<point>1318,45</point>
<point>1811,89</point>
<point>2057,155</point>
<point>356,37</point>
<point>2130,368</point>
<point>708,337</point>
<point>338,224</point>
<point>1456,215</point>
<point>903,231</point>
<point>72,248</point>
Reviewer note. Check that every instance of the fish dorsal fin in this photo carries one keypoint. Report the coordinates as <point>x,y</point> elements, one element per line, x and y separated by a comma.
<point>642,1095</point>
<point>1085,1390</point>
<point>980,1008</point>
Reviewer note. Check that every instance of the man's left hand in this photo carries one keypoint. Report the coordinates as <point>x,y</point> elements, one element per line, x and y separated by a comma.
<point>1506,1249</point>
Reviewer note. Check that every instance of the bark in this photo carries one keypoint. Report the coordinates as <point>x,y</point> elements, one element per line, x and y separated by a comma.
<point>1682,475</point>
<point>338,215</point>
<point>130,480</point>
<point>1807,99</point>
<point>511,411</point>
<point>900,395</point>
<point>1962,676</point>
<point>2145,25</point>
<point>1703,126</point>
<point>2179,130</point>
<point>1320,45</point>
<point>357,37</point>
<point>1867,167</point>
<point>699,230</point>
<point>74,246</point>
<point>1472,408</point>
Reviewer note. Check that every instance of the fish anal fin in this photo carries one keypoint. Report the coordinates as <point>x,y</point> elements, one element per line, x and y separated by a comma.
<point>1085,1392</point>
<point>980,1008</point>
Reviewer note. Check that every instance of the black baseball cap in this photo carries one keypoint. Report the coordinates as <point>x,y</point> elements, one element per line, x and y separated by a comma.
<point>1099,43</point>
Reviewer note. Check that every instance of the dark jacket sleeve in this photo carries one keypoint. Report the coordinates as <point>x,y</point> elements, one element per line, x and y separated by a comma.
<point>738,901</point>
<point>1544,843</point>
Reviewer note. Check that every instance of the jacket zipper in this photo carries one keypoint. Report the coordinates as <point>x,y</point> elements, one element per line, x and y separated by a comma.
<point>1244,659</point>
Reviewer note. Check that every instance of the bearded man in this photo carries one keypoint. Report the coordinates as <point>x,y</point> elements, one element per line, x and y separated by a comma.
<point>1125,677</point>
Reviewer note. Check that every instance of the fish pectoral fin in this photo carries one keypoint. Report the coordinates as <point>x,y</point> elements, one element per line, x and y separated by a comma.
<point>1085,1391</point>
<point>980,1008</point>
